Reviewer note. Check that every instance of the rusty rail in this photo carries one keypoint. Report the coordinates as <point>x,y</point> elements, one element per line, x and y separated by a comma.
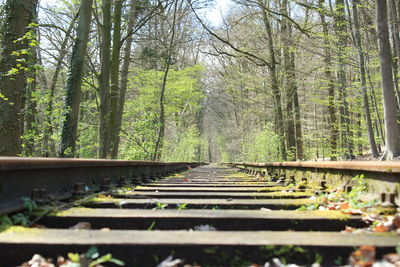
<point>380,176</point>
<point>51,178</point>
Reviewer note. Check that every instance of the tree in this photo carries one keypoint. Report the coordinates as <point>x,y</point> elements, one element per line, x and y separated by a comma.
<point>392,130</point>
<point>13,68</point>
<point>330,82</point>
<point>74,82</point>
<point>363,78</point>
<point>104,80</point>
<point>274,79</point>
<point>340,27</point>
<point>133,12</point>
<point>161,131</point>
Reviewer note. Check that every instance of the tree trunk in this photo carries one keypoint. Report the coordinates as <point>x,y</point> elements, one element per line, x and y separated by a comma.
<point>18,15</point>
<point>290,81</point>
<point>396,47</point>
<point>392,131</point>
<point>74,81</point>
<point>124,77</point>
<point>396,27</point>
<point>114,95</point>
<point>341,33</point>
<point>274,83</point>
<point>161,131</point>
<point>363,79</point>
<point>104,83</point>
<point>330,83</point>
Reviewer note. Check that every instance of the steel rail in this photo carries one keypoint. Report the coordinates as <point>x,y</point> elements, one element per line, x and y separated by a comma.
<point>52,178</point>
<point>368,166</point>
<point>381,177</point>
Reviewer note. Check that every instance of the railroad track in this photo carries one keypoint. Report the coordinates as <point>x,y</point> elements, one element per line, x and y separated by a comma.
<point>208,215</point>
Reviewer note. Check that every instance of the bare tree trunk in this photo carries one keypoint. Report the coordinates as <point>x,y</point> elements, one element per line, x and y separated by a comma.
<point>392,131</point>
<point>124,77</point>
<point>274,82</point>
<point>19,14</point>
<point>114,95</point>
<point>74,82</point>
<point>341,33</point>
<point>104,83</point>
<point>161,130</point>
<point>330,83</point>
<point>290,81</point>
<point>396,27</point>
<point>367,114</point>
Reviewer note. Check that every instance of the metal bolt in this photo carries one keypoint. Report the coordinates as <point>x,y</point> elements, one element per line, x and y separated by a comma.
<point>322,185</point>
<point>303,184</point>
<point>383,197</point>
<point>392,198</point>
<point>282,178</point>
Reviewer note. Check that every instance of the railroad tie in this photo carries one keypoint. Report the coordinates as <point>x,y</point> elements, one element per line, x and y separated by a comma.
<point>211,215</point>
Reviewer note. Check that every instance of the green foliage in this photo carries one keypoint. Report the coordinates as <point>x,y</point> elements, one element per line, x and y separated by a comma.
<point>183,96</point>
<point>182,206</point>
<point>20,219</point>
<point>161,206</point>
<point>261,146</point>
<point>185,146</point>
<point>5,222</point>
<point>151,227</point>
<point>91,258</point>
<point>22,56</point>
<point>29,204</point>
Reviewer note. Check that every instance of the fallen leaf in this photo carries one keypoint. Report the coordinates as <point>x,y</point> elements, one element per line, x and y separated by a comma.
<point>381,228</point>
<point>363,257</point>
<point>344,206</point>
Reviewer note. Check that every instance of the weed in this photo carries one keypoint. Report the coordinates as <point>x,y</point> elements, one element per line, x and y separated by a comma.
<point>318,258</point>
<point>20,219</point>
<point>5,222</point>
<point>160,206</point>
<point>91,258</point>
<point>182,206</point>
<point>29,204</point>
<point>344,200</point>
<point>151,226</point>
<point>339,261</point>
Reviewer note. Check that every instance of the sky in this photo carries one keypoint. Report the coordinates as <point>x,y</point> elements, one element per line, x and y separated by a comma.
<point>214,14</point>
